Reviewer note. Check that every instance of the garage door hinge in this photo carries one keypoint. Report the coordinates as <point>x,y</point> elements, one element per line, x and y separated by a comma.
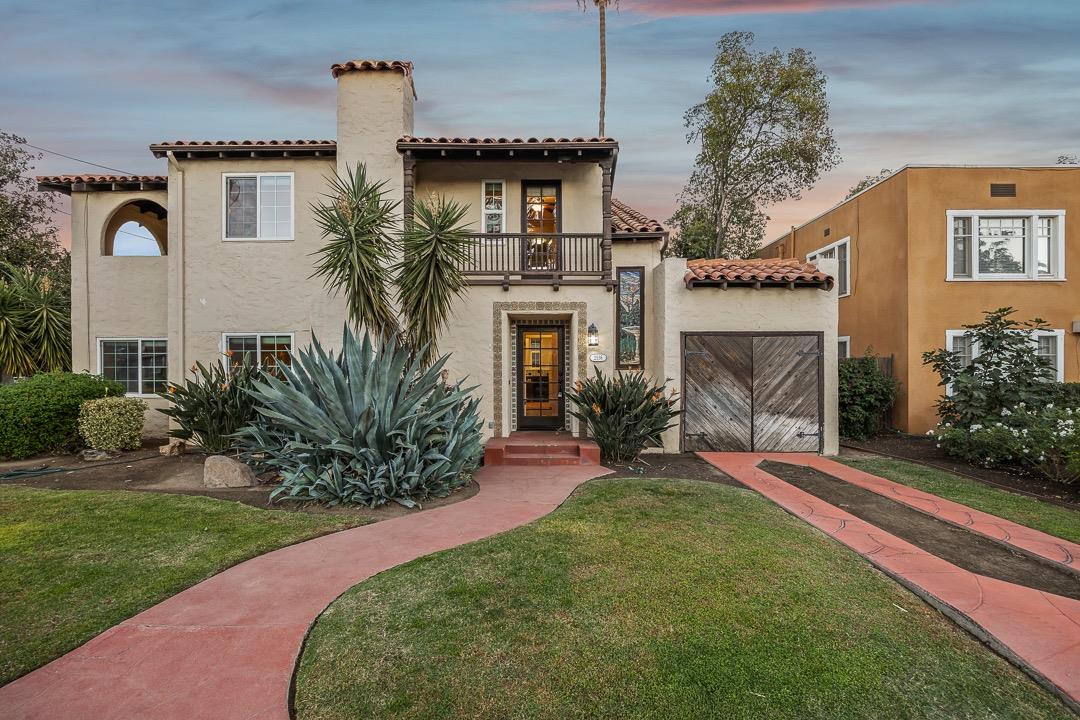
<point>808,434</point>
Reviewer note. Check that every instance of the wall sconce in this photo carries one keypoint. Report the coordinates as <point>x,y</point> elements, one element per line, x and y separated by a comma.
<point>594,335</point>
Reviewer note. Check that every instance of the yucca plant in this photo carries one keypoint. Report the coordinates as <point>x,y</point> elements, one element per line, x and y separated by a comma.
<point>213,404</point>
<point>359,224</point>
<point>45,317</point>
<point>430,277</point>
<point>625,413</point>
<point>368,425</point>
<point>15,357</point>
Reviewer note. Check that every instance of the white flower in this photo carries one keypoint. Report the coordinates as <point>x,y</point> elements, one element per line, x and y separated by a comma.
<point>1050,406</point>
<point>975,427</point>
<point>1005,412</point>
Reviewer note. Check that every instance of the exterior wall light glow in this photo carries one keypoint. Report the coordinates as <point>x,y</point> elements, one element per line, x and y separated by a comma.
<point>594,335</point>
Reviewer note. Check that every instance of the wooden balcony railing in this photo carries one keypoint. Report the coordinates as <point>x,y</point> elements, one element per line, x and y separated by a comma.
<point>539,258</point>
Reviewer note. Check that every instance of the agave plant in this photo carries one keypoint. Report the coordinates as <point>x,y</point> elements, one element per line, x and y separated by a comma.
<point>366,425</point>
<point>358,223</point>
<point>429,277</point>
<point>213,404</point>
<point>625,413</point>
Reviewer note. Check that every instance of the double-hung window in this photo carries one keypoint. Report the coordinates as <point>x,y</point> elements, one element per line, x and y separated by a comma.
<point>258,206</point>
<point>1048,344</point>
<point>839,251</point>
<point>141,365</point>
<point>843,347</point>
<point>493,203</point>
<point>1006,245</point>
<point>267,349</point>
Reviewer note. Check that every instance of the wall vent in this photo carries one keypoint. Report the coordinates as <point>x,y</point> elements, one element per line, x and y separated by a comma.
<point>1002,189</point>
<point>827,231</point>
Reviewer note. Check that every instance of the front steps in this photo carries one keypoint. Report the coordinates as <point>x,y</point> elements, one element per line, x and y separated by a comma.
<point>541,448</point>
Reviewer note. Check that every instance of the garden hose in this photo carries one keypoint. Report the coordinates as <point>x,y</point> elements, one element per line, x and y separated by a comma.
<point>40,470</point>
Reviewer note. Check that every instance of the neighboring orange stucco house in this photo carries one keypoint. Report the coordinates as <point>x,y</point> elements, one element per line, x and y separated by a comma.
<point>930,248</point>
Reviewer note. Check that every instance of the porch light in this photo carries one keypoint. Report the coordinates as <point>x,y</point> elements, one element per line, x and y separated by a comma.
<point>594,335</point>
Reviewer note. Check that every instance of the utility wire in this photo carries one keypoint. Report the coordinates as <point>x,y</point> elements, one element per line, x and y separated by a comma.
<point>125,232</point>
<point>87,162</point>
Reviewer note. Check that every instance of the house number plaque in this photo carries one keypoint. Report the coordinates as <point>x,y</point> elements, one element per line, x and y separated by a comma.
<point>597,357</point>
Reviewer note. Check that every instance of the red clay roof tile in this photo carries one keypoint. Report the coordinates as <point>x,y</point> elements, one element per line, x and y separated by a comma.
<point>66,183</point>
<point>625,220</point>
<point>403,66</point>
<point>411,140</point>
<point>755,273</point>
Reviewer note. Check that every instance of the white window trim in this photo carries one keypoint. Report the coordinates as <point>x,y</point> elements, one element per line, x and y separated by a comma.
<point>484,211</point>
<point>258,341</point>
<point>1057,260</point>
<point>141,340</point>
<point>258,209</point>
<point>846,340</point>
<point>1059,371</point>
<point>846,240</point>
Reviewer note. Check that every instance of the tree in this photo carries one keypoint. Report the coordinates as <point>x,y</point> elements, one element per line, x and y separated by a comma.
<point>27,231</point>
<point>696,236</point>
<point>867,182</point>
<point>360,258</point>
<point>1068,160</point>
<point>764,138</point>
<point>602,6</point>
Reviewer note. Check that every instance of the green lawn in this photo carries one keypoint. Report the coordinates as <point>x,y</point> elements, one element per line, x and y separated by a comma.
<point>74,563</point>
<point>651,599</point>
<point>1053,519</point>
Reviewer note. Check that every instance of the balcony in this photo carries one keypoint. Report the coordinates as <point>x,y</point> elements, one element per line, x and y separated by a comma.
<point>538,259</point>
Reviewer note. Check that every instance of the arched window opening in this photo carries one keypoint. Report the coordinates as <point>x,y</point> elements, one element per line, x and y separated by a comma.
<point>133,238</point>
<point>137,228</point>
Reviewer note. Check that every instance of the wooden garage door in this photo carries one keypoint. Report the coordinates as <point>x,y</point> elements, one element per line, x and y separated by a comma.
<point>752,392</point>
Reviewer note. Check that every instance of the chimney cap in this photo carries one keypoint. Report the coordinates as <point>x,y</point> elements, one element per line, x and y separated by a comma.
<point>402,66</point>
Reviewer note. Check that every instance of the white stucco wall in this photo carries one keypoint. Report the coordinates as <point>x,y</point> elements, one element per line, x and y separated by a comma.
<point>680,310</point>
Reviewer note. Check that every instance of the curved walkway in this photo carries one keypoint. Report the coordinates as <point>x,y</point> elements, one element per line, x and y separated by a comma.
<point>226,648</point>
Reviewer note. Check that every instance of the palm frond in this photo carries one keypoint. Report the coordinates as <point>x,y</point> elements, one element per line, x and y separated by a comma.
<point>45,317</point>
<point>15,359</point>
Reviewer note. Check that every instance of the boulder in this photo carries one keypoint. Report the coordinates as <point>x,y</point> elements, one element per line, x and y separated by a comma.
<point>92,455</point>
<point>226,472</point>
<point>174,447</point>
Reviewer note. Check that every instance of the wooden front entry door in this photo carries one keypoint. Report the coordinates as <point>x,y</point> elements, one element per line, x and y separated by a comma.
<point>746,393</point>
<point>540,378</point>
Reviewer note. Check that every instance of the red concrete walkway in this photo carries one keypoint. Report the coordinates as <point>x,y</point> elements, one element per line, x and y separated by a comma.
<point>1036,630</point>
<point>226,648</point>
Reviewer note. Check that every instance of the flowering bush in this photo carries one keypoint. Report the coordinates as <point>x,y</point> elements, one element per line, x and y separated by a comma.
<point>1043,440</point>
<point>112,423</point>
<point>213,404</point>
<point>625,413</point>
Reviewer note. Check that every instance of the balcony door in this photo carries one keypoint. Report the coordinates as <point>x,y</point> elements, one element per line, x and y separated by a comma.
<point>540,377</point>
<point>541,215</point>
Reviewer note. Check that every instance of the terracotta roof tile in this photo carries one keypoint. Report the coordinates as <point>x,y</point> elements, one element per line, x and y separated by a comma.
<point>411,140</point>
<point>625,220</point>
<point>403,66</point>
<point>188,144</point>
<point>66,183</point>
<point>755,273</point>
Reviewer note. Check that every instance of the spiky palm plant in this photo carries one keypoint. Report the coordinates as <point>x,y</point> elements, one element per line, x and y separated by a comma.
<point>46,319</point>
<point>429,277</point>
<point>15,359</point>
<point>358,222</point>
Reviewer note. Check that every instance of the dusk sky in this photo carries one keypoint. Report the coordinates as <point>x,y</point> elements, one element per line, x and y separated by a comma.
<point>939,81</point>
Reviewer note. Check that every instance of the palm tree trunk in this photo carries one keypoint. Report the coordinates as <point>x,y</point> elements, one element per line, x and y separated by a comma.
<point>603,62</point>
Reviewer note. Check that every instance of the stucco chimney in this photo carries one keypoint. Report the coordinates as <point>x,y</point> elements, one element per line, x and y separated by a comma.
<point>374,109</point>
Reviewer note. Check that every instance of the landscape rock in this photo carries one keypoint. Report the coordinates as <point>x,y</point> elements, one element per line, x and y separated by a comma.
<point>174,447</point>
<point>220,471</point>
<point>92,455</point>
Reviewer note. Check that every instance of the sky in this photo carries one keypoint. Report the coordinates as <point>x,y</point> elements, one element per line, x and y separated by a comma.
<point>909,81</point>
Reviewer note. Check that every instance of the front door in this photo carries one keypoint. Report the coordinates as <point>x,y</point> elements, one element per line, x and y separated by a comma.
<point>540,378</point>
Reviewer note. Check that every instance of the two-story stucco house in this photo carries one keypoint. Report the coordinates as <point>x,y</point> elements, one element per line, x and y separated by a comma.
<point>562,277</point>
<point>930,248</point>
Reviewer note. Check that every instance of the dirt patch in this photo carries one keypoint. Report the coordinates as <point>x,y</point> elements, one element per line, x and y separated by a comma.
<point>922,449</point>
<point>971,551</point>
<point>680,466</point>
<point>147,471</point>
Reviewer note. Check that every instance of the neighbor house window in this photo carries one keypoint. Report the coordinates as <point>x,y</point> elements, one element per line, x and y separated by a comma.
<point>141,365</point>
<point>494,205</point>
<point>838,251</point>
<point>843,347</point>
<point>1006,244</point>
<point>1048,344</point>
<point>630,320</point>
<point>267,349</point>
<point>259,206</point>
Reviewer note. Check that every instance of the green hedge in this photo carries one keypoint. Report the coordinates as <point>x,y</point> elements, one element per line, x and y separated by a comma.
<point>41,413</point>
<point>866,394</point>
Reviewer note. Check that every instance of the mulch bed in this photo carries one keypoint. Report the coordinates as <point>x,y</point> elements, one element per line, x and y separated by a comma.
<point>921,449</point>
<point>679,466</point>
<point>959,546</point>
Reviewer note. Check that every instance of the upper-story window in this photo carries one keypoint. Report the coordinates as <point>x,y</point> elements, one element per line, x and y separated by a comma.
<point>494,205</point>
<point>258,206</point>
<point>839,251</point>
<point>1006,245</point>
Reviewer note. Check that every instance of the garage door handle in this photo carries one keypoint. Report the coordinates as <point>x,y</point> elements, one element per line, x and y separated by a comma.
<point>806,434</point>
<point>808,353</point>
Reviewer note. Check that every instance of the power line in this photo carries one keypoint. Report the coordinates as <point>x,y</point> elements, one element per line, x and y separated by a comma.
<point>125,232</point>
<point>87,162</point>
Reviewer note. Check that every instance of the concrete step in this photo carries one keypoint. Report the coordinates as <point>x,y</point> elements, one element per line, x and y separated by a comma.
<point>534,448</point>
<point>540,459</point>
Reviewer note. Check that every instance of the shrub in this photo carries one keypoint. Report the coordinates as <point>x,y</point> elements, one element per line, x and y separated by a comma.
<point>625,413</point>
<point>1006,371</point>
<point>213,405</point>
<point>1044,440</point>
<point>866,394</point>
<point>41,413</point>
<point>366,425</point>
<point>1067,394</point>
<point>112,423</point>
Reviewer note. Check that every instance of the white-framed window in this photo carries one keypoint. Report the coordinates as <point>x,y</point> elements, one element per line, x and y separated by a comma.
<point>1005,244</point>
<point>269,349</point>
<point>141,365</point>
<point>843,347</point>
<point>1049,344</point>
<point>257,206</point>
<point>493,204</point>
<point>840,251</point>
